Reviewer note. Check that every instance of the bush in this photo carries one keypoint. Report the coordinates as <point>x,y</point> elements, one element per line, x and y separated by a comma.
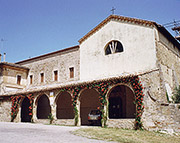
<point>176,95</point>
<point>51,118</point>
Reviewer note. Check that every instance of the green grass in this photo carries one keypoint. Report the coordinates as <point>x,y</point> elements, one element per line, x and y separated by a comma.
<point>126,136</point>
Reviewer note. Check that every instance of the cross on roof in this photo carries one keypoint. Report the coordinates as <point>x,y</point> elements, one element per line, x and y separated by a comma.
<point>113,9</point>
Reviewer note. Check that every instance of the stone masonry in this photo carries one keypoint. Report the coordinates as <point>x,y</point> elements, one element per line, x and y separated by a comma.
<point>152,54</point>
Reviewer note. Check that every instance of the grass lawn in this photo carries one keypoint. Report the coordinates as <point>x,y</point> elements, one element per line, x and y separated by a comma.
<point>126,136</point>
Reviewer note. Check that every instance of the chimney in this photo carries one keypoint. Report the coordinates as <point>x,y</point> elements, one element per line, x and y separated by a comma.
<point>4,57</point>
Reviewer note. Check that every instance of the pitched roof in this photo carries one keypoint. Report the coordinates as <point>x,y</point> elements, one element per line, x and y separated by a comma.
<point>13,65</point>
<point>116,18</point>
<point>49,54</point>
<point>134,21</point>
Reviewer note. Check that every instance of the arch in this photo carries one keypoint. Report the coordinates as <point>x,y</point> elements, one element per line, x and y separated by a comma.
<point>113,46</point>
<point>121,102</point>
<point>58,94</point>
<point>64,108</point>
<point>25,117</point>
<point>43,107</point>
<point>89,100</point>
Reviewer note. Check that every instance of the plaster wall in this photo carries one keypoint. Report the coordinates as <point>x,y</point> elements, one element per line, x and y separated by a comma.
<point>139,51</point>
<point>9,79</point>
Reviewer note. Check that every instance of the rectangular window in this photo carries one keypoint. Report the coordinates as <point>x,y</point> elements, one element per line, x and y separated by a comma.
<point>31,79</point>
<point>18,79</point>
<point>71,72</point>
<point>42,77</point>
<point>55,75</point>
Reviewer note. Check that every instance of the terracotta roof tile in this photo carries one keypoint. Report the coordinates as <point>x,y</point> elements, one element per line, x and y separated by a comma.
<point>13,65</point>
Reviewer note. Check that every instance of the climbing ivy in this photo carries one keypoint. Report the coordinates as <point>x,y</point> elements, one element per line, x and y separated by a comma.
<point>16,100</point>
<point>102,87</point>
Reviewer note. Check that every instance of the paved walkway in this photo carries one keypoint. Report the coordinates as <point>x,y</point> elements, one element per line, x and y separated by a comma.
<point>38,133</point>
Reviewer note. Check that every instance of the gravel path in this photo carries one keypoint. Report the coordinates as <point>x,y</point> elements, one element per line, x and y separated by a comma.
<point>38,133</point>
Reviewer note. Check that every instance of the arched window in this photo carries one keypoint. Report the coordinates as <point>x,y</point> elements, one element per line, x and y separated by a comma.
<point>113,47</point>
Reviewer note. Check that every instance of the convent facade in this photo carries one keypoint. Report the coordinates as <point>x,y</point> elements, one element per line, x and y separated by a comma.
<point>126,67</point>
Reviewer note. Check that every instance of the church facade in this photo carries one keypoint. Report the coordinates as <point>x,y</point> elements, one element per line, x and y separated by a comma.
<point>125,67</point>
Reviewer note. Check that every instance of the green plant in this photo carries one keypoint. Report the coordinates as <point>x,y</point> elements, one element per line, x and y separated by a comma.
<point>176,95</point>
<point>51,118</point>
<point>126,135</point>
<point>167,97</point>
<point>16,100</point>
<point>76,115</point>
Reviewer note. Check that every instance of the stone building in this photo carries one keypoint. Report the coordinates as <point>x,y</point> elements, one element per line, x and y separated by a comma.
<point>127,67</point>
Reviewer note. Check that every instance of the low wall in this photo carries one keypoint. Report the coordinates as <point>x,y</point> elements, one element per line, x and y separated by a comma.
<point>121,123</point>
<point>5,109</point>
<point>66,122</point>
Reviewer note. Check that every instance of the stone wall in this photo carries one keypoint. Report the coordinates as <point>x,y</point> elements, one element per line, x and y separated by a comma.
<point>67,122</point>
<point>121,123</point>
<point>64,122</point>
<point>9,79</point>
<point>168,61</point>
<point>5,109</point>
<point>158,113</point>
<point>60,61</point>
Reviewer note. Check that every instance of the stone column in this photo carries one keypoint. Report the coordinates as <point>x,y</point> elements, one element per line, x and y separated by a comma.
<point>53,105</point>
<point>34,111</point>
<point>53,111</point>
<point>18,116</point>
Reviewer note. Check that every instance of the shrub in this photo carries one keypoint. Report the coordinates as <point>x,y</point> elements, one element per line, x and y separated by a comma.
<point>176,95</point>
<point>51,118</point>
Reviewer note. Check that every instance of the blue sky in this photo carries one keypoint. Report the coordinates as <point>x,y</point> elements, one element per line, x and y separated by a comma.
<point>34,27</point>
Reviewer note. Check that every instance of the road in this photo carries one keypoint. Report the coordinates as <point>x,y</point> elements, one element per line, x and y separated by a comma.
<point>39,133</point>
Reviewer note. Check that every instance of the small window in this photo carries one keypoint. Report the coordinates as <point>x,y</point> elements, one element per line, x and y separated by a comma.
<point>113,47</point>
<point>71,72</point>
<point>42,77</point>
<point>31,79</point>
<point>55,75</point>
<point>18,79</point>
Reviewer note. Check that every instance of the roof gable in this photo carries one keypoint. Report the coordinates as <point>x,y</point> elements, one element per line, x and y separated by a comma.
<point>117,18</point>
